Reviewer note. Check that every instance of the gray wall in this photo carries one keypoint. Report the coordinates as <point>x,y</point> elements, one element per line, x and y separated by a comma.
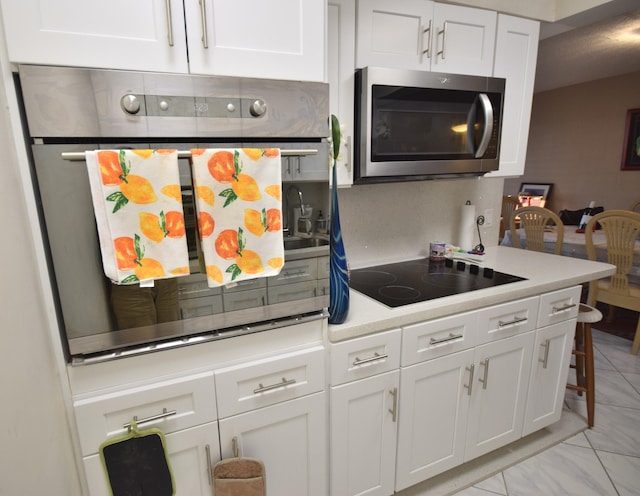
<point>576,140</point>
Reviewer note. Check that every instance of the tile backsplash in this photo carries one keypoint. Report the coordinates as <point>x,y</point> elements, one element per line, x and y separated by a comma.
<point>395,221</point>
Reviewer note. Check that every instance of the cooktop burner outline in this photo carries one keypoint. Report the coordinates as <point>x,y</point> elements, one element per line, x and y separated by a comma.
<point>414,281</point>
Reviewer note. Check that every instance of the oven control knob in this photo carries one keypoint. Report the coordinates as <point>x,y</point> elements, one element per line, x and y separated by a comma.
<point>474,269</point>
<point>461,266</point>
<point>130,104</point>
<point>258,108</point>
<point>488,273</point>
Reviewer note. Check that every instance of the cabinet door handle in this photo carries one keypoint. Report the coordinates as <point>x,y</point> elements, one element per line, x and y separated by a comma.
<point>546,345</point>
<point>158,416</point>
<point>283,383</point>
<point>516,320</point>
<point>444,40</point>
<point>451,337</point>
<point>376,356</point>
<point>427,32</point>
<point>235,449</point>
<point>203,16</point>
<point>207,450</point>
<point>564,307</point>
<point>167,5</point>
<point>469,386</point>
<point>394,406</point>
<point>485,376</point>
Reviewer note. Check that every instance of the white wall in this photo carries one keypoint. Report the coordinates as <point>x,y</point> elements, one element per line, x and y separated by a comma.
<point>36,456</point>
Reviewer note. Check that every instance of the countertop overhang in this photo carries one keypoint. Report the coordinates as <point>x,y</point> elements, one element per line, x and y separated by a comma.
<point>543,273</point>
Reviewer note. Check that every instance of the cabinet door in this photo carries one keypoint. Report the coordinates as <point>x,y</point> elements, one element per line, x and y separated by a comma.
<point>363,436</point>
<point>191,454</point>
<point>550,367</point>
<point>499,394</point>
<point>254,38</point>
<point>290,438</point>
<point>146,35</point>
<point>341,66</point>
<point>515,59</point>
<point>302,168</point>
<point>434,403</point>
<point>393,34</point>
<point>463,40</point>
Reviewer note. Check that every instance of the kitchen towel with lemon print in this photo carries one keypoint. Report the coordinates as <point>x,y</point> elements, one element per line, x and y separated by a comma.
<point>138,208</point>
<point>239,204</point>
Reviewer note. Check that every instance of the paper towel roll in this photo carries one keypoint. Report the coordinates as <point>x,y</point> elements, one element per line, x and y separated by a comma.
<point>467,227</point>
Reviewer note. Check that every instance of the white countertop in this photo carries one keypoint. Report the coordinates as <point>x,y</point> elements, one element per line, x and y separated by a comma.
<point>544,273</point>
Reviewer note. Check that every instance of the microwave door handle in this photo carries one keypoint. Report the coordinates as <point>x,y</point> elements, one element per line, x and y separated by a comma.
<point>487,110</point>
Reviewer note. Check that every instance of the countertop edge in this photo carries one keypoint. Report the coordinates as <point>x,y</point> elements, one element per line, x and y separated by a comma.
<point>543,272</point>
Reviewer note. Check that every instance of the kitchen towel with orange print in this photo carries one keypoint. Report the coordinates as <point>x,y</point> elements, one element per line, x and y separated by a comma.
<point>138,208</point>
<point>239,204</point>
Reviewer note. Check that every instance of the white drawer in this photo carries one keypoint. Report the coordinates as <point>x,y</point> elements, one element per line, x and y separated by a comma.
<point>201,307</point>
<point>195,286</point>
<point>363,357</point>
<point>242,300</point>
<point>102,416</point>
<point>292,292</point>
<point>305,269</point>
<point>507,319</point>
<point>438,337</point>
<point>323,267</point>
<point>268,381</point>
<point>559,305</point>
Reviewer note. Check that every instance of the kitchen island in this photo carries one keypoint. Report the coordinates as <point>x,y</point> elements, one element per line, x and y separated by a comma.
<point>543,273</point>
<point>420,394</point>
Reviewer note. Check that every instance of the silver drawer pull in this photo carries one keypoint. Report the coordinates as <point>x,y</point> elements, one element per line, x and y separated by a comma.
<point>451,337</point>
<point>159,416</point>
<point>376,356</point>
<point>516,320</point>
<point>283,383</point>
<point>564,307</point>
<point>207,451</point>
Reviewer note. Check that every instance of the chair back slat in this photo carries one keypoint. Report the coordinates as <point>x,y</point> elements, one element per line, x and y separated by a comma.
<point>621,229</point>
<point>533,221</point>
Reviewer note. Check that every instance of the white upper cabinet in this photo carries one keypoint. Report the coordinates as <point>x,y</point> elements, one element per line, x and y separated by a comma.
<point>515,60</point>
<point>253,38</point>
<point>279,40</point>
<point>145,35</point>
<point>423,35</point>
<point>340,71</point>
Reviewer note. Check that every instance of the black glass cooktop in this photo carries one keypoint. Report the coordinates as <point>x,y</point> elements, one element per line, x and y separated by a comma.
<point>403,283</point>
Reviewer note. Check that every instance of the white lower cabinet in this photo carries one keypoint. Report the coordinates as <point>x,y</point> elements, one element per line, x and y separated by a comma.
<point>289,438</point>
<point>275,409</point>
<point>191,453</point>
<point>363,436</point>
<point>434,404</point>
<point>501,377</point>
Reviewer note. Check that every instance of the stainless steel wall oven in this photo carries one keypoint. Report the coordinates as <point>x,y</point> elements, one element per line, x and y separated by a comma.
<point>69,111</point>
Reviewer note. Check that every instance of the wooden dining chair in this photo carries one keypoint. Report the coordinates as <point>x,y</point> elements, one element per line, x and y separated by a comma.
<point>621,228</point>
<point>533,221</point>
<point>509,205</point>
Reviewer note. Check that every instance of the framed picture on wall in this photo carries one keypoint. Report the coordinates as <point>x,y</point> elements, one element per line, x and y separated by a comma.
<point>631,150</point>
<point>537,189</point>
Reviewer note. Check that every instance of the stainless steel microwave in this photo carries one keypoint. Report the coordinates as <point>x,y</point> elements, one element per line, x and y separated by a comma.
<point>421,125</point>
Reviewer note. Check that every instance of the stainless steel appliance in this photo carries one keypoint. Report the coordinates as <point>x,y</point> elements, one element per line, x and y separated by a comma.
<point>403,283</point>
<point>421,125</point>
<point>70,110</point>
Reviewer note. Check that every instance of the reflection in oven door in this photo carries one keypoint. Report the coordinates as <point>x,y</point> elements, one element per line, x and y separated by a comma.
<point>98,316</point>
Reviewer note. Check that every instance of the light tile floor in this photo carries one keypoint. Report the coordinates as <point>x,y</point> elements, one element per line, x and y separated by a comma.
<point>601,461</point>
